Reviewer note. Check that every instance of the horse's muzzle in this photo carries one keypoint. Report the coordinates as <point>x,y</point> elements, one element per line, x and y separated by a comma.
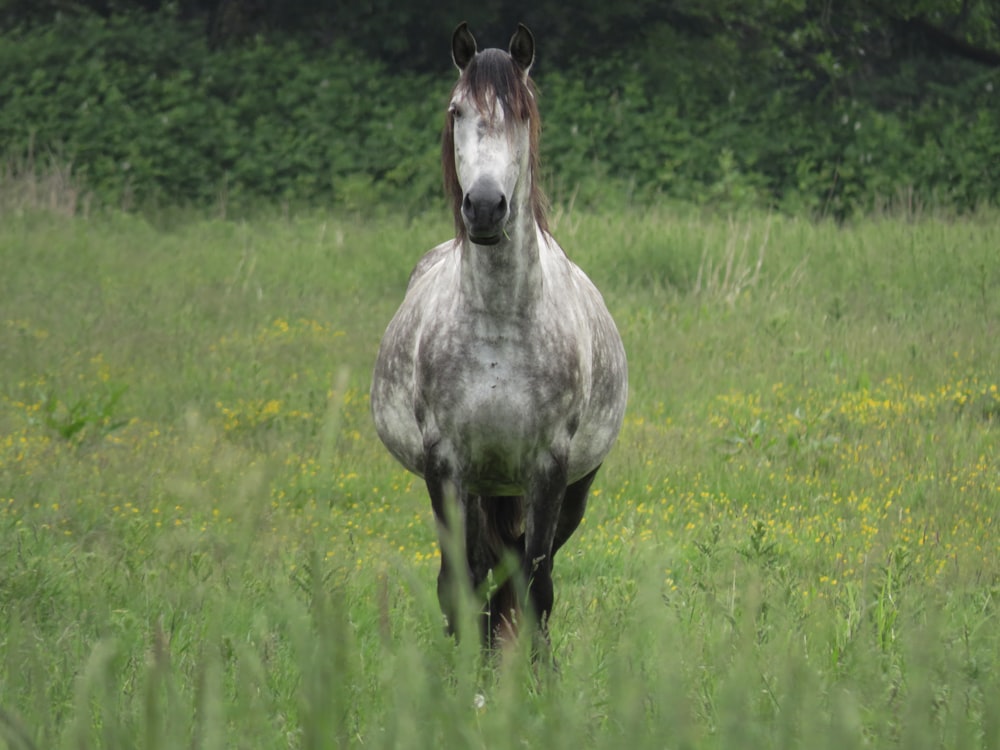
<point>485,211</point>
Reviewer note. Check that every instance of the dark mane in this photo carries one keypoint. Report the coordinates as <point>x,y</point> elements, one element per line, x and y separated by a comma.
<point>493,75</point>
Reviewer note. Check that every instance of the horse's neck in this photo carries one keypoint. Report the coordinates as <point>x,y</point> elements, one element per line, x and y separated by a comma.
<point>505,279</point>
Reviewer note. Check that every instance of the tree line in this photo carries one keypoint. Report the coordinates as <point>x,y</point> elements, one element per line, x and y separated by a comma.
<point>804,104</point>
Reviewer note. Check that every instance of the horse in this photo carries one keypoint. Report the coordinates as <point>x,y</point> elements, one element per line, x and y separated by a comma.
<point>502,379</point>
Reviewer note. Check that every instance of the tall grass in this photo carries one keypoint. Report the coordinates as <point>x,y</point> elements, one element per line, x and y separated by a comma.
<point>202,543</point>
<point>26,185</point>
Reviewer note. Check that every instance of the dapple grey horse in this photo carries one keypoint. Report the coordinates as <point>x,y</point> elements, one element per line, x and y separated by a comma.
<point>502,379</point>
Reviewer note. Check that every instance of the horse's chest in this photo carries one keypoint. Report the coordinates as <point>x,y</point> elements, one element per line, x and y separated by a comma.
<point>499,390</point>
<point>498,385</point>
<point>500,396</point>
<point>495,417</point>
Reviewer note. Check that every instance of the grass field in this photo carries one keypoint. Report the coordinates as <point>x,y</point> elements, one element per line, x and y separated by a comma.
<point>794,543</point>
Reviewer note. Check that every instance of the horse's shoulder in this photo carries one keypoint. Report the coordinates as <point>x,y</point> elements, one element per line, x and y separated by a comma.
<point>430,260</point>
<point>565,266</point>
<point>546,238</point>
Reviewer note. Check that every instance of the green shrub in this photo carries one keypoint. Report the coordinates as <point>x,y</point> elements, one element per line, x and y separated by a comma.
<point>147,114</point>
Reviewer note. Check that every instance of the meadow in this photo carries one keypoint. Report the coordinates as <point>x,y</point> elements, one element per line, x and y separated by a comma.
<point>793,544</point>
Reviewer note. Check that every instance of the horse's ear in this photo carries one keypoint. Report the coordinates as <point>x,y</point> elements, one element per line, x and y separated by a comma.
<point>463,45</point>
<point>522,48</point>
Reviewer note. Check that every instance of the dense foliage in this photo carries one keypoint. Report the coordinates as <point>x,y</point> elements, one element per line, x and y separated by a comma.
<point>789,105</point>
<point>144,111</point>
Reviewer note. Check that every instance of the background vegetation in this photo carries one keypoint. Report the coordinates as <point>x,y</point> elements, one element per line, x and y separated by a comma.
<point>829,109</point>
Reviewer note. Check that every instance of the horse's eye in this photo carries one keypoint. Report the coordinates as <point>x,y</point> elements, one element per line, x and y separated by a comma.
<point>455,111</point>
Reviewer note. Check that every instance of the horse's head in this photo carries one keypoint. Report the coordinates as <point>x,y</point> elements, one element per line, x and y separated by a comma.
<point>490,144</point>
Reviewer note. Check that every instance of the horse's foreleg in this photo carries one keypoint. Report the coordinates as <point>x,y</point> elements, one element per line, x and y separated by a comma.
<point>448,503</point>
<point>543,503</point>
<point>573,505</point>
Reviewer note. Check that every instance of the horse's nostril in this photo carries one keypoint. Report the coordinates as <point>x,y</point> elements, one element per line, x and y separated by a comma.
<point>500,209</point>
<point>467,204</point>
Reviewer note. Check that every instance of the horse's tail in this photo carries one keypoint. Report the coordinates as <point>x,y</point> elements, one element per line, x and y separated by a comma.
<point>505,538</point>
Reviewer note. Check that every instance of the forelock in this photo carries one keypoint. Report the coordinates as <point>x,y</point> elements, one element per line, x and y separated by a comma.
<point>493,76</point>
